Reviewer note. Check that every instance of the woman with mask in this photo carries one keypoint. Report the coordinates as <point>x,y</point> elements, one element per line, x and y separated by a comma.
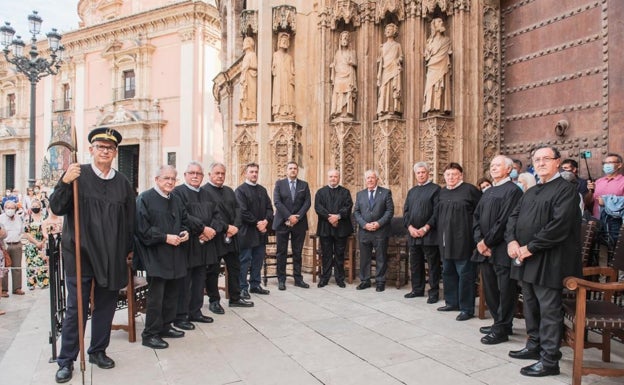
<point>36,261</point>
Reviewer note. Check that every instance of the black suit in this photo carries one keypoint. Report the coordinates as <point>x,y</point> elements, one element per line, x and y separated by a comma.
<point>285,206</point>
<point>328,201</point>
<point>381,211</point>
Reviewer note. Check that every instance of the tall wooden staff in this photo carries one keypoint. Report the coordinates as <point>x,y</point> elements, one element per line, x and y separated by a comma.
<point>73,148</point>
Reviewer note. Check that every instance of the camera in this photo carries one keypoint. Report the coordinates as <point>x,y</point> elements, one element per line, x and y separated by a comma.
<point>586,154</point>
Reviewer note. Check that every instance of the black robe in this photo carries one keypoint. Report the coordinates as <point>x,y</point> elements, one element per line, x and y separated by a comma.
<point>418,211</point>
<point>333,201</point>
<point>255,205</point>
<point>106,226</point>
<point>201,212</point>
<point>230,214</point>
<point>490,221</point>
<point>547,219</point>
<point>453,221</point>
<point>157,216</point>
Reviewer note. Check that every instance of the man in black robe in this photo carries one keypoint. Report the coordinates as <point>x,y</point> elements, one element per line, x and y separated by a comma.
<point>453,222</point>
<point>204,222</point>
<point>256,218</point>
<point>333,204</point>
<point>107,208</point>
<point>543,235</point>
<point>418,210</point>
<point>226,241</point>
<point>161,227</point>
<point>490,221</point>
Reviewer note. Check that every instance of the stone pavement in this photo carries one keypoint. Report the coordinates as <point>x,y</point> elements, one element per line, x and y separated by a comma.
<point>297,337</point>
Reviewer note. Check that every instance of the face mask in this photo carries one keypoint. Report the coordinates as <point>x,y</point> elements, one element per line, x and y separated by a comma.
<point>36,210</point>
<point>36,191</point>
<point>513,174</point>
<point>10,212</point>
<point>608,168</point>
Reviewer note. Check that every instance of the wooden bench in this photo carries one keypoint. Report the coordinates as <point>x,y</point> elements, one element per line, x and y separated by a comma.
<point>134,298</point>
<point>317,257</point>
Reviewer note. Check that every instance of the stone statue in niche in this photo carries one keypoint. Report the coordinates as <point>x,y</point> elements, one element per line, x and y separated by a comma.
<point>248,81</point>
<point>343,79</point>
<point>389,68</point>
<point>283,71</point>
<point>438,62</point>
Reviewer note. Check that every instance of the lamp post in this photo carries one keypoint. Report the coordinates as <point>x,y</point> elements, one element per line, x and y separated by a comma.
<point>34,67</point>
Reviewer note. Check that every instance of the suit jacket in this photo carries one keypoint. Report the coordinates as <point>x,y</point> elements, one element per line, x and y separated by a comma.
<point>382,212</point>
<point>285,206</point>
<point>333,201</point>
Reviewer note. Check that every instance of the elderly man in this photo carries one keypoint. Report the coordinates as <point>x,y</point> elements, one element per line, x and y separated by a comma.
<point>490,221</point>
<point>543,235</point>
<point>14,226</point>
<point>373,212</point>
<point>333,204</point>
<point>420,205</point>
<point>107,209</point>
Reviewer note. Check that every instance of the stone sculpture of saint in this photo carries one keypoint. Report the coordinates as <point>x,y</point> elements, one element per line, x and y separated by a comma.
<point>343,79</point>
<point>248,81</point>
<point>438,62</point>
<point>283,71</point>
<point>389,68</point>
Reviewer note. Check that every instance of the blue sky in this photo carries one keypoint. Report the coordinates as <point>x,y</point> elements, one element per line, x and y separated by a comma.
<point>59,14</point>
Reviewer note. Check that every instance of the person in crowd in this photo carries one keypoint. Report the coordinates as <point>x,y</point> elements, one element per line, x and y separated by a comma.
<point>453,222</point>
<point>256,219</point>
<point>571,165</point>
<point>226,241</point>
<point>418,210</point>
<point>204,223</point>
<point>333,204</point>
<point>490,221</point>
<point>525,181</point>
<point>34,251</point>
<point>373,212</point>
<point>543,236</point>
<point>484,184</point>
<point>292,200</point>
<point>13,223</point>
<point>3,269</point>
<point>27,200</point>
<point>161,228</point>
<point>106,223</point>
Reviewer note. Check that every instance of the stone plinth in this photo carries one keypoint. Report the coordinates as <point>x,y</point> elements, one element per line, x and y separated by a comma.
<point>346,150</point>
<point>245,149</point>
<point>436,137</point>
<point>285,146</point>
<point>389,138</point>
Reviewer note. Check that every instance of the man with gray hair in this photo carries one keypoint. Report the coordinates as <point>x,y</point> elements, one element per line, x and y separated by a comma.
<point>490,221</point>
<point>373,212</point>
<point>418,210</point>
<point>14,225</point>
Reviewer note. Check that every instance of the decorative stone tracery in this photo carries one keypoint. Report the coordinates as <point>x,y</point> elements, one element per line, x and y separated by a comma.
<point>285,144</point>
<point>491,84</point>
<point>437,137</point>
<point>346,152</point>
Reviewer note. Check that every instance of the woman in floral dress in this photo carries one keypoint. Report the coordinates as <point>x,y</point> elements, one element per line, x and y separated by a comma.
<point>36,260</point>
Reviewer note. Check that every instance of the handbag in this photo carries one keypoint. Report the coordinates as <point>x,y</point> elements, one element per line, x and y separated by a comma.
<point>8,262</point>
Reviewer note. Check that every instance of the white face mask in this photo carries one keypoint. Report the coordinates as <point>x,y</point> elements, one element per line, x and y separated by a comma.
<point>10,212</point>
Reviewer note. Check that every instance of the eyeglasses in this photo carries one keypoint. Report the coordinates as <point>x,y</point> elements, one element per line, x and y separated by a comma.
<point>545,159</point>
<point>168,178</point>
<point>102,148</point>
<point>198,173</point>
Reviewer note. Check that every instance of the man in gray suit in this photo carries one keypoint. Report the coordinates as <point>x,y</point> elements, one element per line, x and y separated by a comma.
<point>292,200</point>
<point>373,212</point>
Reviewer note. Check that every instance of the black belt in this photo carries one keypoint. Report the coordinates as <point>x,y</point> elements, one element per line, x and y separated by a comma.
<point>13,243</point>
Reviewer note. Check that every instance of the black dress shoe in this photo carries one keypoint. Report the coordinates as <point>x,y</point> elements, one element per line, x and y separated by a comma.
<point>485,329</point>
<point>322,283</point>
<point>363,285</point>
<point>216,307</point>
<point>525,354</point>
<point>433,299</point>
<point>244,294</point>
<point>155,342</point>
<point>380,287</point>
<point>241,303</point>
<point>64,374</point>
<point>172,333</point>
<point>281,285</point>
<point>202,318</point>
<point>101,360</point>
<point>184,325</point>
<point>341,284</point>
<point>302,285</point>
<point>258,290</point>
<point>463,316</point>
<point>448,308</point>
<point>414,294</point>
<point>494,338</point>
<point>539,370</point>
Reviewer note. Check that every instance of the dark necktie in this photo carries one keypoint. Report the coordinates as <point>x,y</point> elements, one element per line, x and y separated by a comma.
<point>371,198</point>
<point>292,190</point>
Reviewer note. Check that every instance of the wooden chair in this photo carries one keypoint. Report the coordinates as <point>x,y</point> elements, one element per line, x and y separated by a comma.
<point>270,260</point>
<point>317,256</point>
<point>134,298</point>
<point>591,312</point>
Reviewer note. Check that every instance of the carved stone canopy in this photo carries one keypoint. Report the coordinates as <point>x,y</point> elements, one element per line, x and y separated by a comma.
<point>284,18</point>
<point>346,10</point>
<point>249,22</point>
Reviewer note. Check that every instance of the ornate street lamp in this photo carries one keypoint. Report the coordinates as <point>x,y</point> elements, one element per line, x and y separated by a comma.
<point>33,66</point>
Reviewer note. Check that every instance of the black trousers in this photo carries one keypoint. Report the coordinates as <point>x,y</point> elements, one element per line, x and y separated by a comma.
<point>162,305</point>
<point>543,315</point>
<point>417,256</point>
<point>380,244</point>
<point>104,306</point>
<point>191,293</point>
<point>333,253</point>
<point>501,295</point>
<point>232,263</point>
<point>296,242</point>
